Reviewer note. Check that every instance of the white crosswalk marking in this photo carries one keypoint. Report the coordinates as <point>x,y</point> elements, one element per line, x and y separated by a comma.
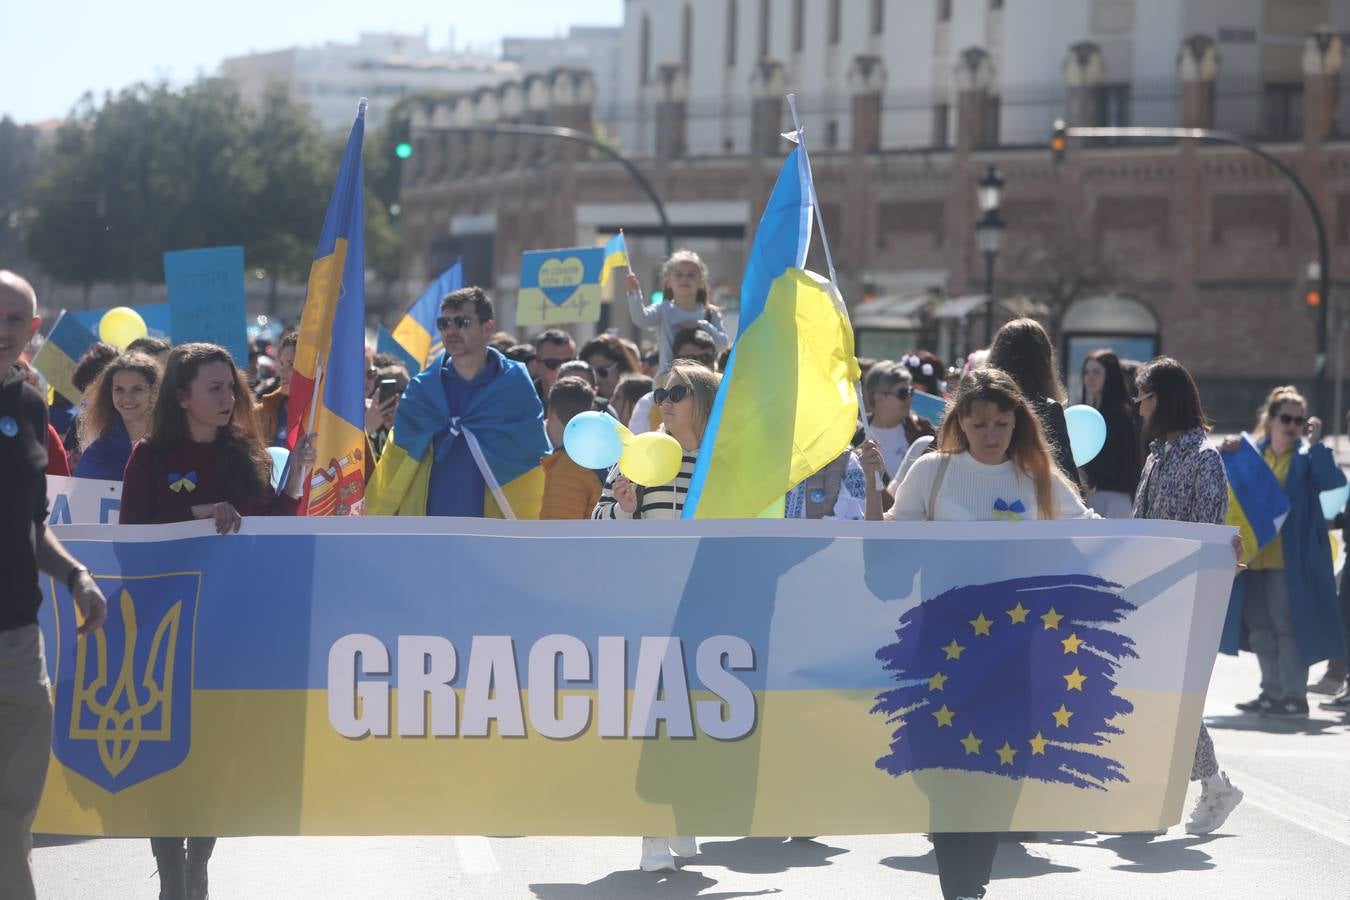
<point>476,856</point>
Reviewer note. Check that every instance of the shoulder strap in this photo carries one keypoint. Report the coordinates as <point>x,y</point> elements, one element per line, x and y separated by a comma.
<point>937,485</point>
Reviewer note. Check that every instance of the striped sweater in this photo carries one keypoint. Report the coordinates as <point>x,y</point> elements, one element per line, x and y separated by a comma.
<point>664,501</point>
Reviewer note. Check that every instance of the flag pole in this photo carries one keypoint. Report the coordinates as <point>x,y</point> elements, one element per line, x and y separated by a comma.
<point>314,401</point>
<point>829,262</point>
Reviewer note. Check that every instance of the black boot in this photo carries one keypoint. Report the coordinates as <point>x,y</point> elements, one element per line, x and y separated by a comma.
<point>170,857</point>
<point>198,855</point>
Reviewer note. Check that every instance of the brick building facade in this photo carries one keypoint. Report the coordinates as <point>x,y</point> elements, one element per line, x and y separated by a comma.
<point>1192,250</point>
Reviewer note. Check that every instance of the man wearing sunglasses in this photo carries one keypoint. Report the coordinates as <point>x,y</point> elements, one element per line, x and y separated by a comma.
<point>554,347</point>
<point>691,344</point>
<point>468,434</point>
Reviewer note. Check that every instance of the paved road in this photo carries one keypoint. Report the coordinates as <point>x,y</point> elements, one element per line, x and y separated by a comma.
<point>1290,838</point>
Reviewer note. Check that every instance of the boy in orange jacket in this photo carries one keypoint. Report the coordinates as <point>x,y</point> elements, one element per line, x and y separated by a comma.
<point>570,490</point>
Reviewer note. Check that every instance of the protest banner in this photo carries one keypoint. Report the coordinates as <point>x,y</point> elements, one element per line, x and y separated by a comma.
<point>60,353</point>
<point>82,501</point>
<point>206,298</point>
<point>743,677</point>
<point>560,286</point>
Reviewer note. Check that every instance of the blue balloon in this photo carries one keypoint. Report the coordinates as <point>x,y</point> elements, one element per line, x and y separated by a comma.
<point>1333,501</point>
<point>592,440</point>
<point>1087,433</point>
<point>279,456</point>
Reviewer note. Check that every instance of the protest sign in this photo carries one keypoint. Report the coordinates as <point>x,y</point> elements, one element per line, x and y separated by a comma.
<point>560,286</point>
<point>206,298</point>
<point>723,677</point>
<point>82,501</point>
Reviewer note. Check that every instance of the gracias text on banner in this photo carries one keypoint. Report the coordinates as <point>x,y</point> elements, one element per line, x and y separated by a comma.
<point>729,677</point>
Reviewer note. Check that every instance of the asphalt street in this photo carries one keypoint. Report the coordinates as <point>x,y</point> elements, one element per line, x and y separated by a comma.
<point>1289,838</point>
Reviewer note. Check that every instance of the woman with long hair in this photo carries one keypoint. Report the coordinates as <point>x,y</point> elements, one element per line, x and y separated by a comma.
<point>120,408</point>
<point>684,279</point>
<point>1184,481</point>
<point>1284,606</point>
<point>610,360</point>
<point>1023,350</point>
<point>992,462</point>
<point>202,460</point>
<point>686,402</point>
<point>1113,474</point>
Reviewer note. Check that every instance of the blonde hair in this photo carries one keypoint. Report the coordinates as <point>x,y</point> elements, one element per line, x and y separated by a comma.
<point>703,383</point>
<point>1028,450</point>
<point>1274,400</point>
<point>685,255</point>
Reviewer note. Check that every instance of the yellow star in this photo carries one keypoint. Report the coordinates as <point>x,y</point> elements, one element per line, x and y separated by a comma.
<point>1072,643</point>
<point>981,625</point>
<point>1038,745</point>
<point>972,744</point>
<point>1051,619</point>
<point>944,717</point>
<point>953,650</point>
<point>1006,754</point>
<point>1075,680</point>
<point>1062,716</point>
<point>1018,613</point>
<point>937,681</point>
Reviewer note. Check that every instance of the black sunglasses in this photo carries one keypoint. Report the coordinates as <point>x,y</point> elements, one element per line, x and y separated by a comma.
<point>603,371</point>
<point>674,395</point>
<point>902,393</point>
<point>1291,420</point>
<point>461,322</point>
<point>553,364</point>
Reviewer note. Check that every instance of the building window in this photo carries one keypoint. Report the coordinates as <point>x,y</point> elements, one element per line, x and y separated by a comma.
<point>1282,111</point>
<point>731,34</point>
<point>944,10</point>
<point>798,25</point>
<point>836,20</point>
<point>878,21</point>
<point>831,134</point>
<point>644,50</point>
<point>989,127</point>
<point>764,7</point>
<point>941,113</point>
<point>687,41</point>
<point>995,4</point>
<point>1113,105</point>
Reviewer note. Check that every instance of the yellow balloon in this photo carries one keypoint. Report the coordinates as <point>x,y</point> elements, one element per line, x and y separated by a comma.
<point>120,326</point>
<point>652,458</point>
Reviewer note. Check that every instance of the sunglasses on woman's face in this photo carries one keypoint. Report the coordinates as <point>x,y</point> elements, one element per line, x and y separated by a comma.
<point>674,395</point>
<point>902,393</point>
<point>461,322</point>
<point>1286,419</point>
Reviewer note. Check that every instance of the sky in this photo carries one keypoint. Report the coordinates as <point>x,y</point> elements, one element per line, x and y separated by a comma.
<point>55,50</point>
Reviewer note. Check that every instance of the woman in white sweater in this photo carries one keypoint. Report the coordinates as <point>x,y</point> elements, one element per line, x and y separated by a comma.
<point>992,462</point>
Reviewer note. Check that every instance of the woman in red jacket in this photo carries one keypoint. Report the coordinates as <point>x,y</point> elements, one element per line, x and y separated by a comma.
<point>202,460</point>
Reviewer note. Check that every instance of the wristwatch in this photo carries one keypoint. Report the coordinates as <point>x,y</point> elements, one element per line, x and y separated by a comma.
<point>70,579</point>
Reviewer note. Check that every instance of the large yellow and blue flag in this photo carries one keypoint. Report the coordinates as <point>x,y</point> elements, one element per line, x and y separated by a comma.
<point>616,255</point>
<point>1257,504</point>
<point>416,332</point>
<point>328,386</point>
<point>786,406</point>
<point>57,357</point>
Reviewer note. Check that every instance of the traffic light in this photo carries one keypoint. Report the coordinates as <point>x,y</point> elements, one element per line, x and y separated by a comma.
<point>403,150</point>
<point>1312,286</point>
<point>1059,141</point>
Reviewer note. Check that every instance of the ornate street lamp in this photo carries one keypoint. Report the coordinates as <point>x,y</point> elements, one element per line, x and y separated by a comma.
<point>989,237</point>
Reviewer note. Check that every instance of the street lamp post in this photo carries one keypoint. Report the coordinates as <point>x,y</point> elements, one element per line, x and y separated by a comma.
<point>989,237</point>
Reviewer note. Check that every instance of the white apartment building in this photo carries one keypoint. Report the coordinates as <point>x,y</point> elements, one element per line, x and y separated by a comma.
<point>709,54</point>
<point>382,67</point>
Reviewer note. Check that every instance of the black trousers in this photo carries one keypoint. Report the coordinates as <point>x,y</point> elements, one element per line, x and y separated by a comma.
<point>965,862</point>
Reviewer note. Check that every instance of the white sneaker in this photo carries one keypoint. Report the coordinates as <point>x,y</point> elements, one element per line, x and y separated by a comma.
<point>1218,798</point>
<point>656,855</point>
<point>684,846</point>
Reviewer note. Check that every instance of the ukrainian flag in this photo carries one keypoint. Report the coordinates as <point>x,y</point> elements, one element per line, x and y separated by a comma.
<point>386,343</point>
<point>1257,504</point>
<point>616,255</point>
<point>328,388</point>
<point>786,406</point>
<point>60,353</point>
<point>416,332</point>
